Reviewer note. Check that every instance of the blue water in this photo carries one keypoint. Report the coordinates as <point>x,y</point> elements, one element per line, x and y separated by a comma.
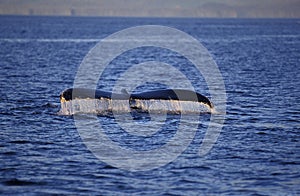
<point>257,152</point>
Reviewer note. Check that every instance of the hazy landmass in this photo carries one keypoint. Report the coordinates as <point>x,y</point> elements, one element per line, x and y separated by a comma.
<point>155,8</point>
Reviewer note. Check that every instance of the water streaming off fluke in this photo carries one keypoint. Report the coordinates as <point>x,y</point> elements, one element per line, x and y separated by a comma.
<point>160,101</point>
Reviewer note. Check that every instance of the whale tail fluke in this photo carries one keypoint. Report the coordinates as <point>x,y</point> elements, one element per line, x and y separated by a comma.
<point>79,100</point>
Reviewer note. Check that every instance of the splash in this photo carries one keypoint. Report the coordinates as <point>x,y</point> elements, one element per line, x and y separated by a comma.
<point>106,106</point>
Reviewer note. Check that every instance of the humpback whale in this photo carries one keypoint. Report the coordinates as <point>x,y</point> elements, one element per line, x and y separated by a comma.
<point>137,101</point>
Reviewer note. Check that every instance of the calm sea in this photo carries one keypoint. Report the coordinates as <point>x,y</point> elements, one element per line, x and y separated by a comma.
<point>257,152</point>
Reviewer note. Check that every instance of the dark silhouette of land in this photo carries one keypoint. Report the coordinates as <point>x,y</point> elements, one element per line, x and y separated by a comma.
<point>155,8</point>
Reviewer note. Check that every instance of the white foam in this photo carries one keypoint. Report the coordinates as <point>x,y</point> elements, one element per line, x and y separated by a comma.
<point>103,106</point>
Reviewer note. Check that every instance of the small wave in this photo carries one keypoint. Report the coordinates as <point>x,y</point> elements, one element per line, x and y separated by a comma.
<point>9,153</point>
<point>234,39</point>
<point>18,182</point>
<point>103,106</point>
<point>17,40</point>
<point>19,142</point>
<point>50,105</point>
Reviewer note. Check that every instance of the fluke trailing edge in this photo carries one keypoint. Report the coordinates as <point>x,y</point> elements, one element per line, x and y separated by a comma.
<point>165,94</point>
<point>165,99</point>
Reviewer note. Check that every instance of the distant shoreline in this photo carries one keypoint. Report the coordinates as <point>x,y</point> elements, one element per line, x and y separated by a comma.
<point>150,17</point>
<point>154,8</point>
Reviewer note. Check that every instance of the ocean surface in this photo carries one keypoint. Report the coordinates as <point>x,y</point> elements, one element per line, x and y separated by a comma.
<point>256,153</point>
